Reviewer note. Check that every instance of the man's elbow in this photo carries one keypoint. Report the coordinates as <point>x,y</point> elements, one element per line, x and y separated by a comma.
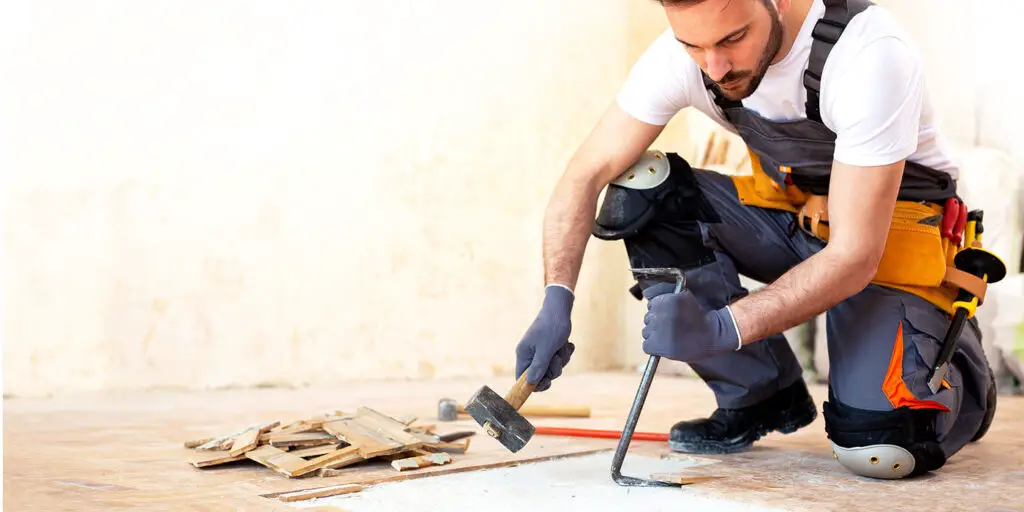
<point>859,265</point>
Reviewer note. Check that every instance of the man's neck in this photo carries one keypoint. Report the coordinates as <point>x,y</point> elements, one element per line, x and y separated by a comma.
<point>792,22</point>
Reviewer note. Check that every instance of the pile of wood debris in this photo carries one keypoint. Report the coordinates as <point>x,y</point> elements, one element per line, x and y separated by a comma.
<point>325,443</point>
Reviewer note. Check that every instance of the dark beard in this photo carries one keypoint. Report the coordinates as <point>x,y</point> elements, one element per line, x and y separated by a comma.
<point>771,49</point>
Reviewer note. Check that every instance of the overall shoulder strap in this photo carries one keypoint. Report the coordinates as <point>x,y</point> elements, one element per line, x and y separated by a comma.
<point>723,103</point>
<point>827,31</point>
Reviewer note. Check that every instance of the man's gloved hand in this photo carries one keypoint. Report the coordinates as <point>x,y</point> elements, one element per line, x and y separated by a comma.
<point>545,348</point>
<point>678,328</point>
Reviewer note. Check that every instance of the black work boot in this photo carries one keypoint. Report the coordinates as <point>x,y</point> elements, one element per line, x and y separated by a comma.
<point>733,430</point>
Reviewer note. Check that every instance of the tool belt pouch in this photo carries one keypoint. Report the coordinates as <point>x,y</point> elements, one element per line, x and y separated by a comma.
<point>914,253</point>
<point>760,190</point>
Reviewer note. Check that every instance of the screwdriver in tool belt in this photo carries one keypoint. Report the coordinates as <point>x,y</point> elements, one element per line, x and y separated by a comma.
<point>978,262</point>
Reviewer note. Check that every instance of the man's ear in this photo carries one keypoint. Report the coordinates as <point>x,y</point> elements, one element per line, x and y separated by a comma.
<point>782,6</point>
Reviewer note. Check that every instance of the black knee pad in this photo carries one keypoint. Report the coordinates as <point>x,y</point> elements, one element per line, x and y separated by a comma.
<point>654,208</point>
<point>884,444</point>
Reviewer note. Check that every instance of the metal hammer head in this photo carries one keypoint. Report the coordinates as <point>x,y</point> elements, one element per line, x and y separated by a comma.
<point>499,419</point>
<point>447,410</point>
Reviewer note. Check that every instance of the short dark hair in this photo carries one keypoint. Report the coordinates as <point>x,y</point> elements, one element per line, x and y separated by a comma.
<point>691,2</point>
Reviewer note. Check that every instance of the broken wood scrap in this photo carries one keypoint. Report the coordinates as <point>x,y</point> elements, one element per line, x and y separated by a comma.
<point>305,439</point>
<point>323,492</point>
<point>322,444</point>
<point>209,458</point>
<point>315,450</point>
<point>457,447</point>
<point>225,442</point>
<point>245,442</point>
<point>421,429</point>
<point>422,461</point>
<point>195,443</point>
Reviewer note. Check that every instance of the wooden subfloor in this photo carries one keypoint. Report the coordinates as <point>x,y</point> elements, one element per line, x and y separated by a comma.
<point>119,451</point>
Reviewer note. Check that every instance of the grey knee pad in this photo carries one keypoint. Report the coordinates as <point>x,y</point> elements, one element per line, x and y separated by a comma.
<point>883,444</point>
<point>633,198</point>
<point>655,208</point>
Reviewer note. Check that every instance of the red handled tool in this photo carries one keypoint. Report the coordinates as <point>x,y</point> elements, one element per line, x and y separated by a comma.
<point>602,434</point>
<point>961,221</point>
<point>954,218</point>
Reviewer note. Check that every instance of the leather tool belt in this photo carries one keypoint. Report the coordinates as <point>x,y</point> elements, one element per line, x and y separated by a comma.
<point>922,241</point>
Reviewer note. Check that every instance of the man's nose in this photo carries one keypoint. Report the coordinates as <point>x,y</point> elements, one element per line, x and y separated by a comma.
<point>718,65</point>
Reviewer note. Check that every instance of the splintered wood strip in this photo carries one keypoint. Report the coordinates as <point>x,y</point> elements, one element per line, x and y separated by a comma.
<point>212,458</point>
<point>405,454</point>
<point>407,419</point>
<point>326,417</point>
<point>284,427</point>
<point>455,447</point>
<point>422,461</point>
<point>225,442</point>
<point>387,426</point>
<point>374,477</point>
<point>197,442</point>
<point>370,443</point>
<point>215,443</point>
<point>675,478</point>
<point>315,450</point>
<point>305,439</point>
<point>426,438</point>
<point>299,427</point>
<point>328,472</point>
<point>344,456</point>
<point>245,442</point>
<point>334,490</point>
<point>276,459</point>
<point>351,458</point>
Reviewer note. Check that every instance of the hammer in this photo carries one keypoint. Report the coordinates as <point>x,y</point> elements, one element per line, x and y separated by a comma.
<point>500,417</point>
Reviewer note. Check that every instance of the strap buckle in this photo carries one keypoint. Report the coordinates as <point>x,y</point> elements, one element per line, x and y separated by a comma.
<point>828,31</point>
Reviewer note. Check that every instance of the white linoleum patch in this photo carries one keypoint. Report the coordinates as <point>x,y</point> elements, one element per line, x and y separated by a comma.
<point>571,483</point>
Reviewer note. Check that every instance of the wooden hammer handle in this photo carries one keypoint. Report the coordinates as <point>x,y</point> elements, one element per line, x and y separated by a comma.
<point>520,391</point>
<point>556,411</point>
<point>550,411</point>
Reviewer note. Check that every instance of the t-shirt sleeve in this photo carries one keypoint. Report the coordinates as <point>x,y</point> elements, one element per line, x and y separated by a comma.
<point>655,89</point>
<point>873,103</point>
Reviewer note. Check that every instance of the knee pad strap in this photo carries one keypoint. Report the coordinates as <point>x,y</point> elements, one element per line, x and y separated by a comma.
<point>883,444</point>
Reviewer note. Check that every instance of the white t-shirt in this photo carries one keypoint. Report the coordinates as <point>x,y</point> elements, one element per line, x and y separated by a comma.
<point>873,92</point>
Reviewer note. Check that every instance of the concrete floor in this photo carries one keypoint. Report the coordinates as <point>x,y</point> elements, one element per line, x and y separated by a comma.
<point>116,451</point>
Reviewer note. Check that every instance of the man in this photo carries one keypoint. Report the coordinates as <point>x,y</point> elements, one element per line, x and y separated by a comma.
<point>842,214</point>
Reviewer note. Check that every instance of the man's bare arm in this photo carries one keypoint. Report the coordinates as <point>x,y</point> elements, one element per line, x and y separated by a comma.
<point>616,142</point>
<point>860,205</point>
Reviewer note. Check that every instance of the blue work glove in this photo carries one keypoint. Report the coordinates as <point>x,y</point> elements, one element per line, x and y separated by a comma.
<point>545,348</point>
<point>678,328</point>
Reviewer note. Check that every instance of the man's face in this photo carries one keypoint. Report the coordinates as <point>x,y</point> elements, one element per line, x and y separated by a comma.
<point>733,41</point>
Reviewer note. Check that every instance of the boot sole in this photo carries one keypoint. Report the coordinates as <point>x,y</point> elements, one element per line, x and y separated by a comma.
<point>790,423</point>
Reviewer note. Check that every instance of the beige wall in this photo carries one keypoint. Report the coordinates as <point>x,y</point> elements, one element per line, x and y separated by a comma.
<point>240,193</point>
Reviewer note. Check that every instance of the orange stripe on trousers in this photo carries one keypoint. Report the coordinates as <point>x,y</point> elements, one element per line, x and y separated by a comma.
<point>893,386</point>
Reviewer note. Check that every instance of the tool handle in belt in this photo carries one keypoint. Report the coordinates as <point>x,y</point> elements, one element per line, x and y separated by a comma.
<point>520,391</point>
<point>950,214</point>
<point>990,269</point>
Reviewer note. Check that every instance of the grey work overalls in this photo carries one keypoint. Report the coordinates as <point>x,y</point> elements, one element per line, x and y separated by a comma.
<point>763,244</point>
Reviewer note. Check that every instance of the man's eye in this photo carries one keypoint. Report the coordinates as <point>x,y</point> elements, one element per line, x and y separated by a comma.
<point>733,40</point>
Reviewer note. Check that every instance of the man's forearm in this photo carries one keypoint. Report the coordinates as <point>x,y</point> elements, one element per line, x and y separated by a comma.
<point>567,228</point>
<point>808,289</point>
